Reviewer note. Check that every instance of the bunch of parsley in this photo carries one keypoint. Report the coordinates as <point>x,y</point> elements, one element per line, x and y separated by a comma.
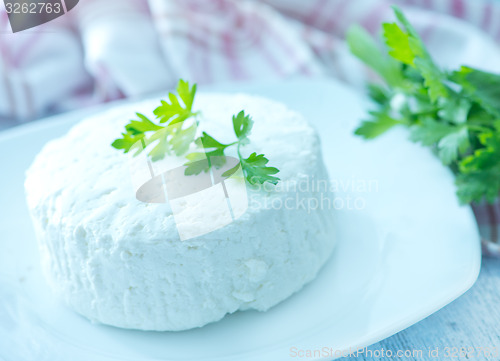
<point>456,113</point>
<point>174,135</point>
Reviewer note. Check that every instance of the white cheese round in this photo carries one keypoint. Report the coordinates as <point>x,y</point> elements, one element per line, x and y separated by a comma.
<point>119,261</point>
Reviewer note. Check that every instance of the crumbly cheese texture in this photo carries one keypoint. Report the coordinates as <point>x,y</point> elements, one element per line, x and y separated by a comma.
<point>119,261</point>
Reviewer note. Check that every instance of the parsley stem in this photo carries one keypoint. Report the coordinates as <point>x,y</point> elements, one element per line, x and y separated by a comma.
<point>238,150</point>
<point>478,128</point>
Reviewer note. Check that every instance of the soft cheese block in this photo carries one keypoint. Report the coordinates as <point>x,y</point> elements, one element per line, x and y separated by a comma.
<point>121,261</point>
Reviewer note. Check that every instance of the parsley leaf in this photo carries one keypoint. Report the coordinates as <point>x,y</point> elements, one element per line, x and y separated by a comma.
<point>127,141</point>
<point>214,153</point>
<point>453,144</point>
<point>161,149</point>
<point>455,110</point>
<point>242,125</point>
<point>186,93</point>
<point>141,126</point>
<point>381,123</point>
<point>181,138</point>
<point>256,170</point>
<point>399,43</point>
<point>472,187</point>
<point>483,87</point>
<point>379,94</point>
<point>197,163</point>
<point>209,142</point>
<point>170,136</point>
<point>433,79</point>
<point>486,157</point>
<point>430,131</point>
<point>177,111</point>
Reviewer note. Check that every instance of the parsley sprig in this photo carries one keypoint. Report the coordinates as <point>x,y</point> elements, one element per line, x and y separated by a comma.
<point>254,166</point>
<point>175,135</point>
<point>456,113</point>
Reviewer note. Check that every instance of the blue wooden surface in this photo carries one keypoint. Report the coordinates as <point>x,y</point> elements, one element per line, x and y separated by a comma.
<point>473,320</point>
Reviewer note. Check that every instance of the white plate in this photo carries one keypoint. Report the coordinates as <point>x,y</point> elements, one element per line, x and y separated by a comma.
<point>409,252</point>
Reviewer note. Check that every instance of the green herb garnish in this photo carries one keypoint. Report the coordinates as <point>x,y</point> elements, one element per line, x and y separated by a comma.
<point>456,113</point>
<point>255,166</point>
<point>174,134</point>
<point>170,135</point>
